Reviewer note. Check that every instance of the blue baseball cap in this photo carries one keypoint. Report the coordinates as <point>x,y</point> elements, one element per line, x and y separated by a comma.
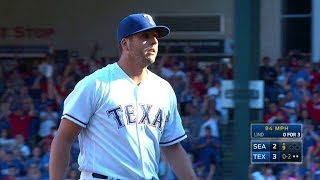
<point>136,23</point>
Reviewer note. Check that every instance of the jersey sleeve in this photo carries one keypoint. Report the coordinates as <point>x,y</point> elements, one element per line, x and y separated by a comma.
<point>173,130</point>
<point>80,104</point>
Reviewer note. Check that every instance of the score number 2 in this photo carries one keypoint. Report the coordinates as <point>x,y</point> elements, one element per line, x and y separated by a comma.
<point>274,146</point>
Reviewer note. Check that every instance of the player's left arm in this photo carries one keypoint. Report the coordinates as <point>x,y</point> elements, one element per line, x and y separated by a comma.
<point>179,161</point>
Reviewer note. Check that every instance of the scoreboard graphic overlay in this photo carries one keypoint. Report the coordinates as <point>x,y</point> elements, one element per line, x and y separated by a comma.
<point>276,143</point>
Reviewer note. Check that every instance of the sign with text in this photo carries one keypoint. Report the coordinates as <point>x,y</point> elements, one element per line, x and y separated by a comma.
<point>276,131</point>
<point>276,151</point>
<point>175,46</point>
<point>276,143</point>
<point>255,94</point>
<point>24,51</point>
<point>26,32</point>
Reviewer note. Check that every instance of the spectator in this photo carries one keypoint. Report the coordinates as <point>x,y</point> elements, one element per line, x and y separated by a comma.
<point>289,106</point>
<point>35,158</point>
<point>21,146</point>
<point>15,77</point>
<point>316,168</point>
<point>195,119</point>
<point>255,172</point>
<point>48,119</point>
<point>198,83</point>
<point>303,116</point>
<point>12,174</point>
<point>196,98</point>
<point>11,166</point>
<point>5,140</point>
<point>274,114</point>
<point>297,72</point>
<point>72,175</point>
<point>268,74</point>
<point>46,67</point>
<point>34,80</point>
<point>177,72</point>
<point>20,123</point>
<point>214,92</point>
<point>310,139</point>
<point>45,162</point>
<point>268,174</point>
<point>314,73</point>
<point>200,170</point>
<point>72,67</point>
<point>164,66</point>
<point>4,112</point>
<point>208,148</point>
<point>188,143</point>
<point>43,101</point>
<point>185,97</point>
<point>212,167</point>
<point>281,70</point>
<point>178,85</point>
<point>313,107</point>
<point>212,121</point>
<point>226,70</point>
<point>46,141</point>
<point>33,172</point>
<point>284,175</point>
<point>300,91</point>
<point>10,94</point>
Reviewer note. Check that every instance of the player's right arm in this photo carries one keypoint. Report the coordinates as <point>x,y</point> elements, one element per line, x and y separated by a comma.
<point>60,149</point>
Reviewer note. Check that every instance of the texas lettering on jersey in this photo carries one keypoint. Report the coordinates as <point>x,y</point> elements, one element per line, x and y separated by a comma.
<point>127,114</point>
<point>116,115</point>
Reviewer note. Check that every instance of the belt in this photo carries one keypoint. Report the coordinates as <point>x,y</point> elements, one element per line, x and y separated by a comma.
<point>100,176</point>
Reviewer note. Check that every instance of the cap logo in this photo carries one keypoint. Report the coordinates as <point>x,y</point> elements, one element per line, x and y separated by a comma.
<point>150,19</point>
<point>135,23</point>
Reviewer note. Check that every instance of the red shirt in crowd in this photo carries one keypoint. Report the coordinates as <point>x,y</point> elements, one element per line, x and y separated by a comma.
<point>275,117</point>
<point>314,80</point>
<point>313,108</point>
<point>19,123</point>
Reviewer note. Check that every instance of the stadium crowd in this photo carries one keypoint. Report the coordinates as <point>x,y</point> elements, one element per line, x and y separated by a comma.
<point>32,94</point>
<point>292,95</point>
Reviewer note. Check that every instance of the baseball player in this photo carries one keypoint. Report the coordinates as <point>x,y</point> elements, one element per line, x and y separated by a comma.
<point>122,114</point>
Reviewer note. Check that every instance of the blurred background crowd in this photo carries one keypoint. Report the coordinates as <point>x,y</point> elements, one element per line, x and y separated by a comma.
<point>32,93</point>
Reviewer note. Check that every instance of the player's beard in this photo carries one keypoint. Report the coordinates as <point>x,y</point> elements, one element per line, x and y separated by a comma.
<point>145,57</point>
<point>150,55</point>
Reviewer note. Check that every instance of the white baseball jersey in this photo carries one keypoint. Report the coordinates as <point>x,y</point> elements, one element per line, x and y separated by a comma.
<point>123,123</point>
